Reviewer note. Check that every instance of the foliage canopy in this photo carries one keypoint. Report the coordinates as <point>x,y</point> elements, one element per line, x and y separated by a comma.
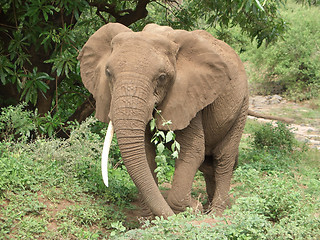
<point>40,40</point>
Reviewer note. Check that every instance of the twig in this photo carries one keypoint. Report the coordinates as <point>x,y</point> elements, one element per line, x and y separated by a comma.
<point>100,15</point>
<point>8,26</point>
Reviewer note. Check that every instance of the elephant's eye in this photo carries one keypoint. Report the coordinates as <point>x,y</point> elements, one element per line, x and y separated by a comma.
<point>108,73</point>
<point>162,77</point>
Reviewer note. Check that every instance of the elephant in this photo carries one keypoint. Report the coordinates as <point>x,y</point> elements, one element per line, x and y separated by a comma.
<point>197,82</point>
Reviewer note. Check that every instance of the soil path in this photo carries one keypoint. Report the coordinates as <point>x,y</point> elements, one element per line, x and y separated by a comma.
<point>307,116</point>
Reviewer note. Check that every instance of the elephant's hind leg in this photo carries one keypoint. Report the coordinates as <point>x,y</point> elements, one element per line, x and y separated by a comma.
<point>223,162</point>
<point>207,168</point>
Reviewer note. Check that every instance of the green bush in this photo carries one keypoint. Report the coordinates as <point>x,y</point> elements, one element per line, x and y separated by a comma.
<point>275,196</point>
<point>271,148</point>
<point>121,190</point>
<point>274,138</point>
<point>19,123</point>
<point>16,122</point>
<point>292,65</point>
<point>15,175</point>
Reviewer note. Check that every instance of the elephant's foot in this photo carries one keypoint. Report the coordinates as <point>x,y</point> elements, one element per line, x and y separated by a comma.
<point>214,211</point>
<point>146,212</point>
<point>196,205</point>
<point>180,205</point>
<point>217,208</point>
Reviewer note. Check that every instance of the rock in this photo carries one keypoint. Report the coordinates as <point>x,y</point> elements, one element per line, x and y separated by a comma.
<point>258,101</point>
<point>275,99</point>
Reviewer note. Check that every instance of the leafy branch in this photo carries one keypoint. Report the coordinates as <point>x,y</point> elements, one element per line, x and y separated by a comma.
<point>161,138</point>
<point>166,145</point>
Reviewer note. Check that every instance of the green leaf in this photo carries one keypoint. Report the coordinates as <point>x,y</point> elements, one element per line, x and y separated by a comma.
<point>169,122</point>
<point>161,133</point>
<point>155,140</point>
<point>173,146</point>
<point>175,154</point>
<point>177,145</point>
<point>160,148</point>
<point>3,78</point>
<point>248,5</point>
<point>42,86</point>
<point>28,84</point>
<point>152,124</point>
<point>170,136</point>
<point>45,15</point>
<point>59,69</point>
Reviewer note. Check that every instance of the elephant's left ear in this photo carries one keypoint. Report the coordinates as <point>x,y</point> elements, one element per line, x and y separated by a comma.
<point>201,76</point>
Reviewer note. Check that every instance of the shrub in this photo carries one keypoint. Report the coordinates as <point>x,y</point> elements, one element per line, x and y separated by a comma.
<point>16,122</point>
<point>276,196</point>
<point>15,174</point>
<point>77,159</point>
<point>291,65</point>
<point>271,138</point>
<point>121,189</point>
<point>271,147</point>
<point>282,208</point>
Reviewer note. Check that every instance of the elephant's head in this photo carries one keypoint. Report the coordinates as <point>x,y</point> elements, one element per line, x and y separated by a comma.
<point>129,73</point>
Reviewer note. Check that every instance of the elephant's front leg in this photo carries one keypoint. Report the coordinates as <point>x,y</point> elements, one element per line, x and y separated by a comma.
<point>190,158</point>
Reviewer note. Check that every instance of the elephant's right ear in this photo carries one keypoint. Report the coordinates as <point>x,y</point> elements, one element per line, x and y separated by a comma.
<point>93,57</point>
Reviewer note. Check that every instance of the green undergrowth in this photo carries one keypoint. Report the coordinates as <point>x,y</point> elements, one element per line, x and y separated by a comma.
<point>52,188</point>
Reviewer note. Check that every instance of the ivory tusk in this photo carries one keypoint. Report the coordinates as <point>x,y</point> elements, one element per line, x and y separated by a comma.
<point>105,153</point>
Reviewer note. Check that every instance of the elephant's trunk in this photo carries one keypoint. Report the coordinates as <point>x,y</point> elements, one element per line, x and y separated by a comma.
<point>130,114</point>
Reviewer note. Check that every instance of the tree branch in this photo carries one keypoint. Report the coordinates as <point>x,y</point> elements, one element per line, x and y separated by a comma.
<point>130,15</point>
<point>265,116</point>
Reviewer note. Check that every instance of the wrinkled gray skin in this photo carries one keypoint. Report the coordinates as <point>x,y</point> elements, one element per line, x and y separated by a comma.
<point>197,81</point>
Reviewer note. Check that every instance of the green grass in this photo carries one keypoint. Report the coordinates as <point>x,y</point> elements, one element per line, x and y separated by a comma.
<point>302,115</point>
<point>52,189</point>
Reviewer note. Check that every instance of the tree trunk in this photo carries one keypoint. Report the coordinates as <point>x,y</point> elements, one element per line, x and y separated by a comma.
<point>84,110</point>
